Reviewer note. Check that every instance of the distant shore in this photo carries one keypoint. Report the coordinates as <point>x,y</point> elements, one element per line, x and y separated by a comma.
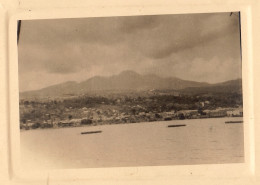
<point>118,123</point>
<point>124,108</point>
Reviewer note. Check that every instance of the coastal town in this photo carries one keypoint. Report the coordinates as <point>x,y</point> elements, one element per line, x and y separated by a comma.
<point>122,109</point>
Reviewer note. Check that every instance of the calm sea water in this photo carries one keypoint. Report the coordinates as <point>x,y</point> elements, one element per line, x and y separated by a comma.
<point>202,141</point>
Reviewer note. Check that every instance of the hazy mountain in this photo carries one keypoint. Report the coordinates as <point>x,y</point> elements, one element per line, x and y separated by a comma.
<point>127,80</point>
<point>224,87</point>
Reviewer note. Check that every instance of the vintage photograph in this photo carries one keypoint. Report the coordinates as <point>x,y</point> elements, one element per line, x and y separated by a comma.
<point>127,91</point>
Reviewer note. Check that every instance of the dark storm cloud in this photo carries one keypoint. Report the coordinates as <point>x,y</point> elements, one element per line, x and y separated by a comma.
<point>137,23</point>
<point>54,32</point>
<point>76,49</point>
<point>182,32</point>
<point>105,30</point>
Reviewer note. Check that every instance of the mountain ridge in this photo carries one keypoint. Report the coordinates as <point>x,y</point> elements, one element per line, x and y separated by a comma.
<point>126,80</point>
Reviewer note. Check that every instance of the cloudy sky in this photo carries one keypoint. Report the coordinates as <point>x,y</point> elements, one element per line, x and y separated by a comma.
<point>198,47</point>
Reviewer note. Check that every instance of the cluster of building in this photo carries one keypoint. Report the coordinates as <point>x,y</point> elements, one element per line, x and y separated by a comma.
<point>96,116</point>
<point>219,112</point>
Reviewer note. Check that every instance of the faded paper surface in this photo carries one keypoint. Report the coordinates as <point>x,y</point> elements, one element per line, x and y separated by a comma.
<point>140,174</point>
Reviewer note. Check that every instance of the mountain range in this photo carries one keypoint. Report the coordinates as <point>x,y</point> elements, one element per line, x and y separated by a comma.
<point>132,81</point>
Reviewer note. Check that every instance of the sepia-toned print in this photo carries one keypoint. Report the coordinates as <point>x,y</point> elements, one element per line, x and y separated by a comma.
<point>153,90</point>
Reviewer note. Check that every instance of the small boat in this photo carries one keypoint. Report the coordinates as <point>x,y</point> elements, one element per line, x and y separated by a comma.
<point>227,122</point>
<point>92,132</point>
<point>180,125</point>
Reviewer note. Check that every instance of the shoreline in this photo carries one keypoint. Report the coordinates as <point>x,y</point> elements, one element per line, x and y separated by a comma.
<point>95,125</point>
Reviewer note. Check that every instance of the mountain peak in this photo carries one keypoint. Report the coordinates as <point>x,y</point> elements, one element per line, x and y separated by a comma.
<point>129,73</point>
<point>126,80</point>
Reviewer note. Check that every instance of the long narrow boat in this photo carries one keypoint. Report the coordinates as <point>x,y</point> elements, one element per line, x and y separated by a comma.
<point>227,122</point>
<point>180,125</point>
<point>91,132</point>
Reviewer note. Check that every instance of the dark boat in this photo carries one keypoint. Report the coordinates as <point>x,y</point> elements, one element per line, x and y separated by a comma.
<point>91,132</point>
<point>180,125</point>
<point>227,122</point>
